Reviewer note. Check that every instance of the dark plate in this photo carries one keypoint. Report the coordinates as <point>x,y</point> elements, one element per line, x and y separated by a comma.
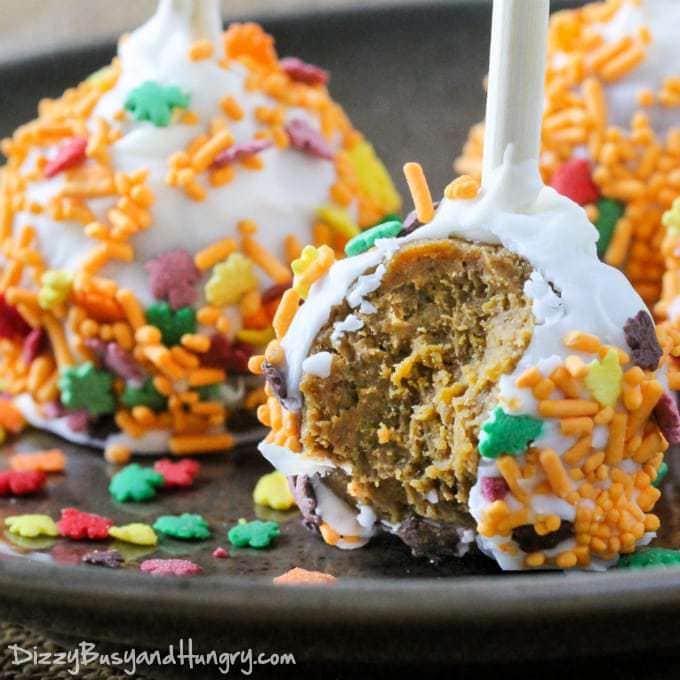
<point>410,78</point>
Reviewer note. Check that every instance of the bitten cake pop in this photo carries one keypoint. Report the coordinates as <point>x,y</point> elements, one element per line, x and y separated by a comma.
<point>476,373</point>
<point>611,131</point>
<point>147,221</point>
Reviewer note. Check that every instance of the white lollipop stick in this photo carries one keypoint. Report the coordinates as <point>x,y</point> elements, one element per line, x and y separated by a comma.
<point>203,16</point>
<point>514,104</point>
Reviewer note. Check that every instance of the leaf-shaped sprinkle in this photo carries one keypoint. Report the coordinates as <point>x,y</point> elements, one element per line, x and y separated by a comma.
<point>604,378</point>
<point>507,434</point>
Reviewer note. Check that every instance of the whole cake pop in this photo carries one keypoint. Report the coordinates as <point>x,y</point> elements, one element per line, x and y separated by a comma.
<point>611,131</point>
<point>475,373</point>
<point>147,220</point>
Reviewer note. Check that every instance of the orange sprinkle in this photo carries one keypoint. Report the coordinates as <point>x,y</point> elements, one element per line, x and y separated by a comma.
<point>508,467</point>
<point>592,212</point>
<point>188,118</point>
<point>57,338</point>
<point>274,353</point>
<point>292,247</point>
<point>535,560</point>
<point>208,408</point>
<point>650,446</point>
<point>50,390</point>
<point>275,412</point>
<point>206,376</point>
<point>202,443</point>
<point>633,443</point>
<point>622,64</point>
<point>142,195</point>
<point>184,358</point>
<point>277,271</point>
<point>148,335</point>
<point>96,259</point>
<point>11,275</point>
<point>576,474</point>
<point>247,227</point>
<point>543,389</point>
<point>210,256</point>
<point>632,397</point>
<point>298,576</point>
<point>648,498</point>
<point>576,426</point>
<point>512,521</point>
<point>117,454</point>
<point>566,382</point>
<point>566,560</point>
<point>652,523</point>
<point>341,193</point>
<point>10,416</point>
<point>162,359</point>
<point>135,211</point>
<point>555,472</point>
<point>264,415</point>
<point>573,455</point>
<point>634,375</point>
<point>252,162</point>
<point>31,315</point>
<point>463,187</point>
<point>232,108</point>
<point>100,306</point>
<point>223,325</point>
<point>529,378</point>
<point>123,335</point>
<point>52,460</point>
<point>604,416</point>
<point>196,343</point>
<point>282,141</point>
<point>18,296</point>
<point>609,51</point>
<point>207,316</point>
<point>163,385</point>
<point>89,328</point>
<point>119,251</point>
<point>593,462</point>
<point>129,425</point>
<point>255,364</point>
<point>144,416</point>
<point>205,155</point>
<point>618,246</point>
<point>201,49</point>
<point>583,342</point>
<point>329,536</point>
<point>290,301</point>
<point>420,191</point>
<point>39,372</point>
<point>563,408</point>
<point>651,393</point>
<point>617,438</point>
<point>222,176</point>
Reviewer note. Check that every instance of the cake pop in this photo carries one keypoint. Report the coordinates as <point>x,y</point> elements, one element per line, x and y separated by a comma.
<point>475,374</point>
<point>147,220</point>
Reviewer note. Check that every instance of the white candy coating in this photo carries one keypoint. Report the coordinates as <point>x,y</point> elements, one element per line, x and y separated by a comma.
<point>281,197</point>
